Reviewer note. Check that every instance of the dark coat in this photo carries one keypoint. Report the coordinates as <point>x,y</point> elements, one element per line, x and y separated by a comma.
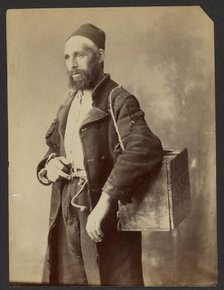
<point>108,168</point>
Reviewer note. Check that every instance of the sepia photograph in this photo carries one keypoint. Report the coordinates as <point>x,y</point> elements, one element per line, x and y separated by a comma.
<point>112,148</point>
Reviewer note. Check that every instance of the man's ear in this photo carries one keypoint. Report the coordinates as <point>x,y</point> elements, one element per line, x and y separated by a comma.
<point>101,54</point>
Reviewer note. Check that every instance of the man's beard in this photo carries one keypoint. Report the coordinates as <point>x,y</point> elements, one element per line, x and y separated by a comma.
<point>85,79</point>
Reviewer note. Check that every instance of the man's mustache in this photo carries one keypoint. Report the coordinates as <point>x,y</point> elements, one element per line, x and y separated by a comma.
<point>75,71</point>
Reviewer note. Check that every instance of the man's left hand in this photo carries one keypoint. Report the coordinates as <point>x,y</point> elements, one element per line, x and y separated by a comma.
<point>96,217</point>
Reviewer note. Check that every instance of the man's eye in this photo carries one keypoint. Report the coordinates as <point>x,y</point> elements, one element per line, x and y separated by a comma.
<point>81,55</point>
<point>66,56</point>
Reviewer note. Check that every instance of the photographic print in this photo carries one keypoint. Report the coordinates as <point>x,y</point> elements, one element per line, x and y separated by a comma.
<point>112,161</point>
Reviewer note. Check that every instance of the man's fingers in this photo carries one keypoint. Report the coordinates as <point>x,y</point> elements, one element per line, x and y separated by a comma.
<point>53,166</point>
<point>59,162</point>
<point>89,230</point>
<point>94,231</point>
<point>93,237</point>
<point>59,165</point>
<point>52,177</point>
<point>99,232</point>
<point>56,164</point>
<point>97,238</point>
<point>58,173</point>
<point>58,168</point>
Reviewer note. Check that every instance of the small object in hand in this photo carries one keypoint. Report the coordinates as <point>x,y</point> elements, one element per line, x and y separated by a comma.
<point>67,168</point>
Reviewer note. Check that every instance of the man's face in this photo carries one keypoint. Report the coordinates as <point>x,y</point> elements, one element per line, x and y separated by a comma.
<point>81,60</point>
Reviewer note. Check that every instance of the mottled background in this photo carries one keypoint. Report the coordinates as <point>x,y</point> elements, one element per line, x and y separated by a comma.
<point>165,56</point>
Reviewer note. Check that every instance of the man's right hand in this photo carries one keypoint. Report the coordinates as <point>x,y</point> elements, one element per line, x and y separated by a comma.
<point>57,167</point>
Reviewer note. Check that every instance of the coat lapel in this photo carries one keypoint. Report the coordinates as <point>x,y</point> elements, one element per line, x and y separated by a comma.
<point>95,114</point>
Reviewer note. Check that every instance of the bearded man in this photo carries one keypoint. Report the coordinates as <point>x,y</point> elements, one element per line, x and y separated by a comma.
<point>100,149</point>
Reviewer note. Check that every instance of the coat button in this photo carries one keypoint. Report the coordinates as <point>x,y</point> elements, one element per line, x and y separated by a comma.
<point>103,157</point>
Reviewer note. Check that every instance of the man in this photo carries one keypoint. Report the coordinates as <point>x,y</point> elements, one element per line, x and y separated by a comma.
<point>100,148</point>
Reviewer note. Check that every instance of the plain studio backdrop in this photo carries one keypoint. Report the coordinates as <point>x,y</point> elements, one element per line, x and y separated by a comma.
<point>165,57</point>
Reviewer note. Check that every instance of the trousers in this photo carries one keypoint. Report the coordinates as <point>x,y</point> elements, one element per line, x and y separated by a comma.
<point>75,253</point>
<point>78,260</point>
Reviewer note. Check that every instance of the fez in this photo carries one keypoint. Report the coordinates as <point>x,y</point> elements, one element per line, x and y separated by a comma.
<point>95,34</point>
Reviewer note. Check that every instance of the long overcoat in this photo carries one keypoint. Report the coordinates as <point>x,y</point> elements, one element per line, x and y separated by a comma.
<point>110,169</point>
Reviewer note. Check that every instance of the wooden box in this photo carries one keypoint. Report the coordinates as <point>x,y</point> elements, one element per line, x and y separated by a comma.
<point>163,201</point>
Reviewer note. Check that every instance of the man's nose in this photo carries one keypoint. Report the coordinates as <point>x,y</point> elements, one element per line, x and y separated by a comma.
<point>74,62</point>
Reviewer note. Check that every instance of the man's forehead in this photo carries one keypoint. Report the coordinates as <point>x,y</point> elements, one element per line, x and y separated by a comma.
<point>78,43</point>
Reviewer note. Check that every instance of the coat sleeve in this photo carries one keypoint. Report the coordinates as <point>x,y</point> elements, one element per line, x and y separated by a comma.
<point>52,140</point>
<point>142,149</point>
